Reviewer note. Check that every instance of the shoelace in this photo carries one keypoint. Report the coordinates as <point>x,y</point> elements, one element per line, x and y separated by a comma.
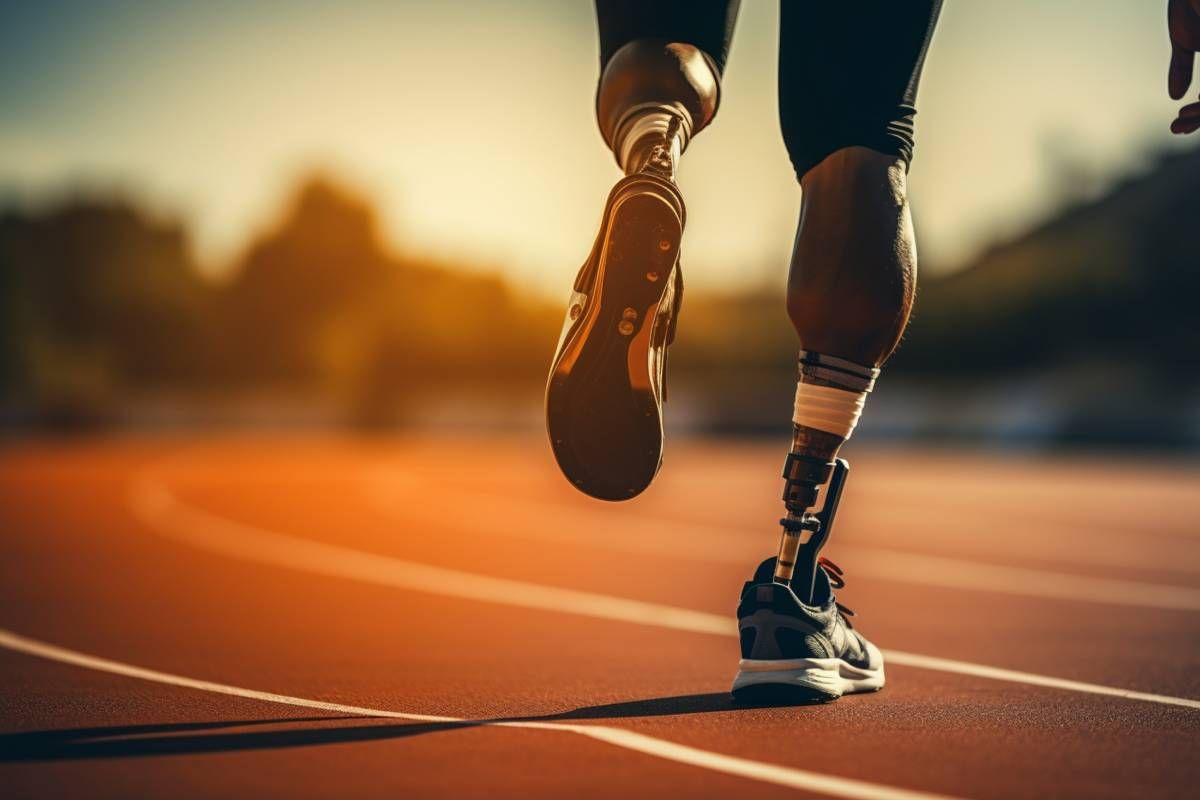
<point>837,581</point>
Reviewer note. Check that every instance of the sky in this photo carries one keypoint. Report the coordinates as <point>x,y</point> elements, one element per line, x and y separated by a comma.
<point>470,124</point>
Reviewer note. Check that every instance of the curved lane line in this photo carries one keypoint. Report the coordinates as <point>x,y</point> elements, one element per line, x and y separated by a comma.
<point>154,504</point>
<point>711,543</point>
<point>641,743</point>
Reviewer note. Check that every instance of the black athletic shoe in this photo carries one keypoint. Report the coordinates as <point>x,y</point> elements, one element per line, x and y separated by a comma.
<point>798,653</point>
<point>605,392</point>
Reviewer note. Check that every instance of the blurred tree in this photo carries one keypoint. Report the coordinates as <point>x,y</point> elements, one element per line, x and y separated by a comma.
<point>319,304</point>
<point>97,300</point>
<point>1111,280</point>
<point>102,305</point>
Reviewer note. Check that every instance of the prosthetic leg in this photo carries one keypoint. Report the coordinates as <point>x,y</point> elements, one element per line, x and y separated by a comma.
<point>797,642</point>
<point>850,291</point>
<point>829,400</point>
<point>608,381</point>
<point>848,127</point>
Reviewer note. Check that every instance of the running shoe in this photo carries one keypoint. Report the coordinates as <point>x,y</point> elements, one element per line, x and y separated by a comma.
<point>794,652</point>
<point>606,388</point>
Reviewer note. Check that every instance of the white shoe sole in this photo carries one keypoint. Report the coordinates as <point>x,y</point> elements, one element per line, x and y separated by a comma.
<point>806,678</point>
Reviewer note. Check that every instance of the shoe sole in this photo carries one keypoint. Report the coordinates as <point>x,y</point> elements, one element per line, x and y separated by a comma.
<point>804,680</point>
<point>602,410</point>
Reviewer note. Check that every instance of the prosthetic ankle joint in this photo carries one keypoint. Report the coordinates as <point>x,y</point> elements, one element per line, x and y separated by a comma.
<point>805,533</point>
<point>652,136</point>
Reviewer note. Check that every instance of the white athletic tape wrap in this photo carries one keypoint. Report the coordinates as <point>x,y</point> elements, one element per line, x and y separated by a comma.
<point>828,409</point>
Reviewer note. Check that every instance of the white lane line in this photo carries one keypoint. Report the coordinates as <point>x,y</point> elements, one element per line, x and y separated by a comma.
<point>637,534</point>
<point>157,507</point>
<point>620,737</point>
<point>154,504</point>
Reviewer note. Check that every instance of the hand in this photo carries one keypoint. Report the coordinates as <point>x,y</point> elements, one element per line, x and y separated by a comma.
<point>1183,23</point>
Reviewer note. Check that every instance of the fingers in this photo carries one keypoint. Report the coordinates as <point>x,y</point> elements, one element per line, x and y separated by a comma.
<point>1188,119</point>
<point>1179,75</point>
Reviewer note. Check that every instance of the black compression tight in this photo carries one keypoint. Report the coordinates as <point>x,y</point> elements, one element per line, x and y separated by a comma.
<point>848,69</point>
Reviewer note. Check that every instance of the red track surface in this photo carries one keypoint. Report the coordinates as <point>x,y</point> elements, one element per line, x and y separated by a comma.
<point>93,561</point>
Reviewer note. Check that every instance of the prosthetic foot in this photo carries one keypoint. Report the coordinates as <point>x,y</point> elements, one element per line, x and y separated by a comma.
<point>800,652</point>
<point>605,393</point>
<point>607,384</point>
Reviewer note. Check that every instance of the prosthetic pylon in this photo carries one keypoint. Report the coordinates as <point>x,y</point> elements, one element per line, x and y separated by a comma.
<point>804,532</point>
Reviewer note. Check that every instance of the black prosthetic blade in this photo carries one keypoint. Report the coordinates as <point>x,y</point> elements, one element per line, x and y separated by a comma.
<point>810,551</point>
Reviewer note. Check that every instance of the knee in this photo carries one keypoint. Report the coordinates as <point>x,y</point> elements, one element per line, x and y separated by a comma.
<point>652,72</point>
<point>812,131</point>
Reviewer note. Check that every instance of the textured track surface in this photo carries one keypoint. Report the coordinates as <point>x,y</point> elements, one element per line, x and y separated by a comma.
<point>333,570</point>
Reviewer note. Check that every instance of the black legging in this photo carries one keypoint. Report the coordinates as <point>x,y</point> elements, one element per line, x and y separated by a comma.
<point>848,69</point>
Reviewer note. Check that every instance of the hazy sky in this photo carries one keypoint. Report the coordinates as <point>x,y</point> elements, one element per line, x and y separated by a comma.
<point>471,123</point>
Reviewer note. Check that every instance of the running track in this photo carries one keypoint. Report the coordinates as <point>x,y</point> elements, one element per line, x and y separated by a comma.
<point>421,618</point>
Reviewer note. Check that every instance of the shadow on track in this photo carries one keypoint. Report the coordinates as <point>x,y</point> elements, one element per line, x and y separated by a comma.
<point>668,706</point>
<point>138,740</point>
<point>134,741</point>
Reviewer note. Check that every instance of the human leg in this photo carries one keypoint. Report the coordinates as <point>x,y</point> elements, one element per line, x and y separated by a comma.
<point>848,79</point>
<point>848,82</point>
<point>661,65</point>
<point>659,86</point>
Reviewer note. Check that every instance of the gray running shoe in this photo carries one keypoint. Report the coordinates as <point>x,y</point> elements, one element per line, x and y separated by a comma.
<point>793,652</point>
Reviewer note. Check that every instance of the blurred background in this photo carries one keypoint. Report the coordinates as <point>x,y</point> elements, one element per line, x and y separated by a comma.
<point>366,215</point>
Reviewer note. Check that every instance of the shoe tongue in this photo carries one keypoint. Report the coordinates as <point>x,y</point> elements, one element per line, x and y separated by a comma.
<point>822,590</point>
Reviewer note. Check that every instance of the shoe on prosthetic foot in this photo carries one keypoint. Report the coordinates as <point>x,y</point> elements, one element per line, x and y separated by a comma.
<point>606,388</point>
<point>607,384</point>
<point>795,652</point>
<point>798,645</point>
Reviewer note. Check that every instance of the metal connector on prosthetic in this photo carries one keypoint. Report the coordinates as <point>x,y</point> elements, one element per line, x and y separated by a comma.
<point>651,137</point>
<point>804,532</point>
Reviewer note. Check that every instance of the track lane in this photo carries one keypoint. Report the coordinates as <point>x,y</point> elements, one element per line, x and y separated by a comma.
<point>1113,528</point>
<point>401,497</point>
<point>625,739</point>
<point>659,666</point>
<point>313,637</point>
<point>1016,633</point>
